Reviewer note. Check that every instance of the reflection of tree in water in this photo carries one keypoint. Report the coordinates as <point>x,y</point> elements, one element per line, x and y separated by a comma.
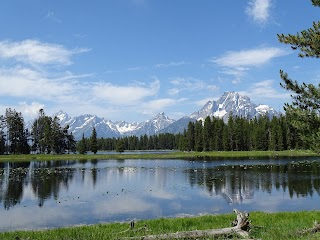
<point>236,183</point>
<point>13,179</point>
<point>47,181</point>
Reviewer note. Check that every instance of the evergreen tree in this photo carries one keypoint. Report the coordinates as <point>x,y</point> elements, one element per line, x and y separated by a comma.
<point>15,132</point>
<point>198,136</point>
<point>191,136</point>
<point>2,135</point>
<point>81,146</point>
<point>49,136</point>
<point>120,146</point>
<point>207,132</point>
<point>94,143</point>
<point>305,108</point>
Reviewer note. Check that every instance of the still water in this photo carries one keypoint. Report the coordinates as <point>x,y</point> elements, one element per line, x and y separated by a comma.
<point>36,195</point>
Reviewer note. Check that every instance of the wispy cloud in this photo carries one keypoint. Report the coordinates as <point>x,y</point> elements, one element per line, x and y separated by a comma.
<point>237,63</point>
<point>52,17</point>
<point>36,52</point>
<point>27,82</point>
<point>134,68</point>
<point>171,64</point>
<point>190,84</point>
<point>31,110</point>
<point>125,95</point>
<point>259,10</point>
<point>247,58</point>
<point>264,90</point>
<point>202,102</point>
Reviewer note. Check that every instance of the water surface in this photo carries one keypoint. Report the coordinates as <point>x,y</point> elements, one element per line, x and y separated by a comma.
<point>53,194</point>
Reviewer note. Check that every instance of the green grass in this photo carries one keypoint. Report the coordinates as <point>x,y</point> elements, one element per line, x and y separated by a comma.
<point>287,225</point>
<point>171,155</point>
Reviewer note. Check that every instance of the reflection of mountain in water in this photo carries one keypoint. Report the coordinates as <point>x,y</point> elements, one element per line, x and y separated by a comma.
<point>235,183</point>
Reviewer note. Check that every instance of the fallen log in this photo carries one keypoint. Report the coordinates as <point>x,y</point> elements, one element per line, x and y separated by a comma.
<point>240,227</point>
<point>314,229</point>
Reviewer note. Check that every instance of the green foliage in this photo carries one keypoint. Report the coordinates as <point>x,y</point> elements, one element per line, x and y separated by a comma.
<point>2,135</point>
<point>120,146</point>
<point>16,134</point>
<point>303,112</point>
<point>81,146</point>
<point>241,134</point>
<point>238,134</point>
<point>94,142</point>
<point>316,3</point>
<point>49,136</point>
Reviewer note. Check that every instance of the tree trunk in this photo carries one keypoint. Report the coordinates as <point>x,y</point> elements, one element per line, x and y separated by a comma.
<point>240,227</point>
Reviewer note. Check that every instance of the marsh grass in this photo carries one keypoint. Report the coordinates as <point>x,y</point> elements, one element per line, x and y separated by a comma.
<point>284,225</point>
<point>171,155</point>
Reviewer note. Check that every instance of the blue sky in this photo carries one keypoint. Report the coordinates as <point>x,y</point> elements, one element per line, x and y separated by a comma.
<point>131,59</point>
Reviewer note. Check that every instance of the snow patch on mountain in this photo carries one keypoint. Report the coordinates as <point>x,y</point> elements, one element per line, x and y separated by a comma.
<point>229,103</point>
<point>235,104</point>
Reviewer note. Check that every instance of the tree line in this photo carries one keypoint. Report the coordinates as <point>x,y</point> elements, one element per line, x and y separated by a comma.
<point>213,134</point>
<point>45,136</point>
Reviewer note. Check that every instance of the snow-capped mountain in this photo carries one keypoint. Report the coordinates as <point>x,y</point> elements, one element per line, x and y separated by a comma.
<point>84,124</point>
<point>229,103</point>
<point>235,104</point>
<point>153,126</point>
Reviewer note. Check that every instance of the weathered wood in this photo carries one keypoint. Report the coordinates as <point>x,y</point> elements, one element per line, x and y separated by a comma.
<point>315,229</point>
<point>240,227</point>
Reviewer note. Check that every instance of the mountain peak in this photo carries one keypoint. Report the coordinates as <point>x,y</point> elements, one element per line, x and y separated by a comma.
<point>229,103</point>
<point>233,103</point>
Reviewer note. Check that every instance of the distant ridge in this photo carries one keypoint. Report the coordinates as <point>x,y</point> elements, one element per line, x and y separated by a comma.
<point>229,103</point>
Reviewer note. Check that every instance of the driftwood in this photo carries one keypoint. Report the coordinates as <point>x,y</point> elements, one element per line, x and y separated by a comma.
<point>240,227</point>
<point>315,229</point>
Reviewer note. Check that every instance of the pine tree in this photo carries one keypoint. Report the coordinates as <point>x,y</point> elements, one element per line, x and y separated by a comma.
<point>81,146</point>
<point>120,146</point>
<point>2,135</point>
<point>191,136</point>
<point>94,142</point>
<point>198,136</point>
<point>305,109</point>
<point>207,132</point>
<point>15,131</point>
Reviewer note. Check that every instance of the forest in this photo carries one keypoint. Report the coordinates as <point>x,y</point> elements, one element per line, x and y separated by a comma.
<point>213,134</point>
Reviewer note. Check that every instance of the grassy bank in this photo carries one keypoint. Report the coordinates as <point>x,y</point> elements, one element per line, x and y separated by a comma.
<point>287,225</point>
<point>171,155</point>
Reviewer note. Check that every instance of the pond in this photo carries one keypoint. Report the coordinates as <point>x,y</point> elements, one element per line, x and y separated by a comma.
<point>36,195</point>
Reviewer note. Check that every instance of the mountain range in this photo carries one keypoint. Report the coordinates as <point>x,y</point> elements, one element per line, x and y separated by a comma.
<point>229,103</point>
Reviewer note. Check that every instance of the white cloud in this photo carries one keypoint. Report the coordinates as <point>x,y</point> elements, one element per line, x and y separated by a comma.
<point>238,63</point>
<point>190,84</point>
<point>171,64</point>
<point>241,60</point>
<point>265,90</point>
<point>259,10</point>
<point>36,52</point>
<point>31,110</point>
<point>202,102</point>
<point>125,95</point>
<point>26,82</point>
<point>159,105</point>
<point>52,16</point>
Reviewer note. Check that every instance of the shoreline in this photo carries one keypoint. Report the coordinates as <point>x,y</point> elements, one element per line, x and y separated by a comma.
<point>279,225</point>
<point>174,155</point>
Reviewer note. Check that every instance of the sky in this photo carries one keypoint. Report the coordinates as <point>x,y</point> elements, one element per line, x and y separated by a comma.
<point>132,59</point>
